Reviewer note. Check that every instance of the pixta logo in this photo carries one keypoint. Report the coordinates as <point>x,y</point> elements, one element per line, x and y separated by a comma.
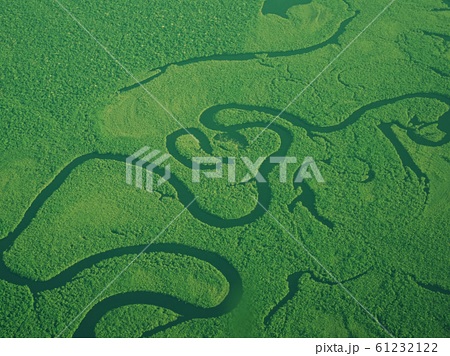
<point>144,168</point>
<point>143,163</point>
<point>307,167</point>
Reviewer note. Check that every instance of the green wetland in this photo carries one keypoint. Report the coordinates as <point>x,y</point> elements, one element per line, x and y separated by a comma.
<point>220,259</point>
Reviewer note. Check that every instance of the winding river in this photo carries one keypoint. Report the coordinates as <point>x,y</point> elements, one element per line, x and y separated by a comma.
<point>208,120</point>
